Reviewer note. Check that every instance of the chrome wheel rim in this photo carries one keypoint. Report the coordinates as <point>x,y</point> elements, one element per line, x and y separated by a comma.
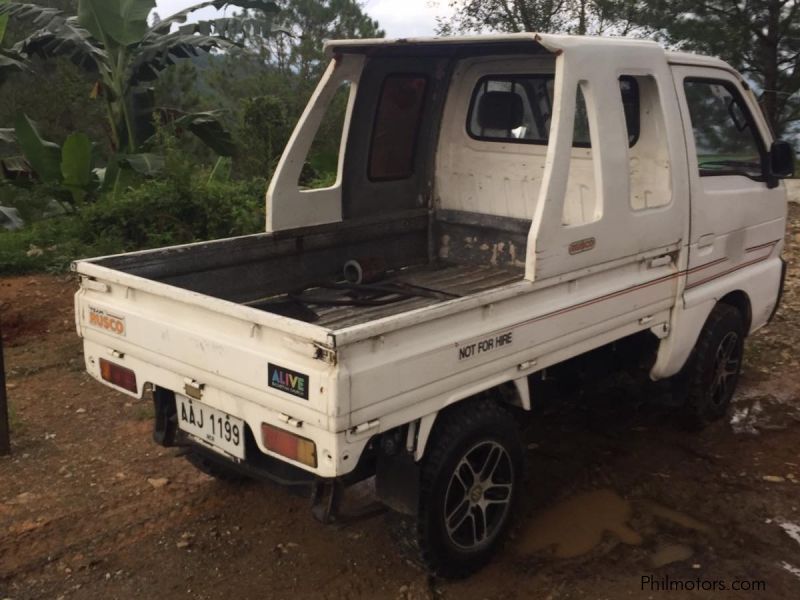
<point>727,362</point>
<point>479,496</point>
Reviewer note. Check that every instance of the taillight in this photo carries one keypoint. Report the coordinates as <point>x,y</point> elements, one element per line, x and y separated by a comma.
<point>120,376</point>
<point>289,445</point>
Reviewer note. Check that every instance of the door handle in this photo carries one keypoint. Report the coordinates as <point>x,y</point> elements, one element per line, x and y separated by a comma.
<point>660,261</point>
<point>706,240</point>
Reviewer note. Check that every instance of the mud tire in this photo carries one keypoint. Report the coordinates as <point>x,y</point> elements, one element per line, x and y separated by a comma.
<point>468,433</point>
<point>708,381</point>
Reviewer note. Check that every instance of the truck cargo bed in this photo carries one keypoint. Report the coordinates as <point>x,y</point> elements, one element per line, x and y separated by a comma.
<point>423,259</point>
<point>429,284</point>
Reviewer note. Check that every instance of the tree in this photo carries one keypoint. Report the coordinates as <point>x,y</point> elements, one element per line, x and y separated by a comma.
<point>311,22</point>
<point>761,38</point>
<point>267,87</point>
<point>544,16</point>
<point>112,39</point>
<point>9,60</point>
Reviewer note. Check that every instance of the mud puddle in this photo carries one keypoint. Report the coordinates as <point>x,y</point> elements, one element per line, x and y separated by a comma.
<point>582,523</point>
<point>755,412</point>
<point>577,525</point>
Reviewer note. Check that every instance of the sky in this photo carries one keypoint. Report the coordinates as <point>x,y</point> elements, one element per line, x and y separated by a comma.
<point>399,18</point>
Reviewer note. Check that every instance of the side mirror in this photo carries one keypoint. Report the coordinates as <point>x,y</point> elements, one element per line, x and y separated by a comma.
<point>781,160</point>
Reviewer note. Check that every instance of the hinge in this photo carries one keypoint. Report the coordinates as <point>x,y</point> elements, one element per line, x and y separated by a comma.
<point>291,421</point>
<point>95,286</point>
<point>324,353</point>
<point>193,388</point>
<point>365,426</point>
<point>661,330</point>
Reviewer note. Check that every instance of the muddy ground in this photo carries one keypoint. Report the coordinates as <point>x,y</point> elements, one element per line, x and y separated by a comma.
<point>616,491</point>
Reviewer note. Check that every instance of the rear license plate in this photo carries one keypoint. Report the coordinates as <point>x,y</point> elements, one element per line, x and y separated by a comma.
<point>217,430</point>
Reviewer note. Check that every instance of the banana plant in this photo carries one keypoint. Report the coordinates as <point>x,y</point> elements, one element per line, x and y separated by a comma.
<point>67,170</point>
<point>112,39</point>
<point>9,60</point>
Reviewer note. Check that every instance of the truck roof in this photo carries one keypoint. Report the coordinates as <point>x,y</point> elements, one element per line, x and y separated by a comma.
<point>551,42</point>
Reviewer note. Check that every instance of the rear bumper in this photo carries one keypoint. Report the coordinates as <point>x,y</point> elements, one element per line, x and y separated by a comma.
<point>338,453</point>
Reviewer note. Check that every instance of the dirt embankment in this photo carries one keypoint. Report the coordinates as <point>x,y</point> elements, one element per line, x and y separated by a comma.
<point>616,493</point>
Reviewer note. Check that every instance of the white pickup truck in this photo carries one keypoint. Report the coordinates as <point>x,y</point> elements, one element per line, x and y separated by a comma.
<point>503,204</point>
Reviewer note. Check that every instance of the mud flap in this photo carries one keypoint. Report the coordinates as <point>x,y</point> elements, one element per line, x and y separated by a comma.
<point>397,482</point>
<point>165,426</point>
<point>780,291</point>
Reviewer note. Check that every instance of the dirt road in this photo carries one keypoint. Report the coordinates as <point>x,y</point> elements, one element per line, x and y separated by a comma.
<point>616,492</point>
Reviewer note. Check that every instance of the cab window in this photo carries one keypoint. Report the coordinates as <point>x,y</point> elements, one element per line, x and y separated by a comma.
<point>725,137</point>
<point>518,109</point>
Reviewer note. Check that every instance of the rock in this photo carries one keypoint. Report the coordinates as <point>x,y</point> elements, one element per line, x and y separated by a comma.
<point>181,544</point>
<point>80,411</point>
<point>23,498</point>
<point>670,553</point>
<point>773,478</point>
<point>158,482</point>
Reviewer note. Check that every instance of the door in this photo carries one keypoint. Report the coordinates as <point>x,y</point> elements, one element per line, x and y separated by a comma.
<point>735,218</point>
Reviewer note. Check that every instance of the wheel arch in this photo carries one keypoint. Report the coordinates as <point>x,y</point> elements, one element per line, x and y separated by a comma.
<point>740,300</point>
<point>687,322</point>
<point>513,392</point>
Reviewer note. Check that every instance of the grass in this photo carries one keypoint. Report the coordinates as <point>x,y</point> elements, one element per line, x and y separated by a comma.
<point>15,424</point>
<point>144,412</point>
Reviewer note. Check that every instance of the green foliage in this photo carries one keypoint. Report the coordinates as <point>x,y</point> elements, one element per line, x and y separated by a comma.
<point>145,163</point>
<point>544,16</point>
<point>76,166</point>
<point>264,131</point>
<point>123,22</point>
<point>310,22</point>
<point>67,172</point>
<point>166,191</point>
<point>186,207</point>
<point>165,212</point>
<point>112,38</point>
<point>187,203</point>
<point>44,156</point>
<point>3,23</point>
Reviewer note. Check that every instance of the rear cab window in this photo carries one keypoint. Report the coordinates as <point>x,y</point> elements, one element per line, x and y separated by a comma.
<point>725,136</point>
<point>518,109</point>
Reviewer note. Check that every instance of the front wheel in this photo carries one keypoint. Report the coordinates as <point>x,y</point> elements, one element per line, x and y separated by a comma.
<point>470,479</point>
<point>709,379</point>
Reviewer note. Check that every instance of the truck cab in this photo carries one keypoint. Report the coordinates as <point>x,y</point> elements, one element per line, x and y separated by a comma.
<point>502,204</point>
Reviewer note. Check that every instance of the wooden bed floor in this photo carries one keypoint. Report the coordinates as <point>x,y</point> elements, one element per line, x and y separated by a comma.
<point>458,280</point>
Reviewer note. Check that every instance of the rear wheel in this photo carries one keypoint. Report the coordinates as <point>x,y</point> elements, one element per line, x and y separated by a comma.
<point>709,378</point>
<point>470,479</point>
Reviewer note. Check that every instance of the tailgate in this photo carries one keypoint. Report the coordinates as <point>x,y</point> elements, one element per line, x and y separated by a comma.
<point>281,364</point>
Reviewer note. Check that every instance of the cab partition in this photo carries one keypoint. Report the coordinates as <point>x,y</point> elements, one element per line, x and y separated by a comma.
<point>575,146</point>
